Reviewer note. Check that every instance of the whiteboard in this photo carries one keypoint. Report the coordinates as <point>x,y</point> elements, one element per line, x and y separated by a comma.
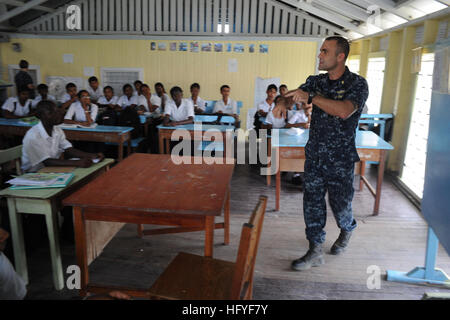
<point>261,88</point>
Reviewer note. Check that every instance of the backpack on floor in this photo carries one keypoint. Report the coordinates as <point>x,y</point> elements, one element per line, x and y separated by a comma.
<point>130,118</point>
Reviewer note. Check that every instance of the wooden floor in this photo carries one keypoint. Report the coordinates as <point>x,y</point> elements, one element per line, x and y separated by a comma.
<point>393,240</point>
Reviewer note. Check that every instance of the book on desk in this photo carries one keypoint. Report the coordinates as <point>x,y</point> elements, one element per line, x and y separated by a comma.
<point>41,181</point>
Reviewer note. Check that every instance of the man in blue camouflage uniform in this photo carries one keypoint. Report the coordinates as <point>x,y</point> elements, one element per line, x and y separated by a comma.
<point>338,98</point>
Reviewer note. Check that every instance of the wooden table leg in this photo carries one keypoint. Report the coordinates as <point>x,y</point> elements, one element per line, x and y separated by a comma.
<point>379,183</point>
<point>55,252</point>
<point>227,219</point>
<point>120,155</point>
<point>20,257</point>
<point>81,249</point>
<point>209,235</point>
<point>269,161</point>
<point>362,174</point>
<point>278,187</point>
<point>129,147</point>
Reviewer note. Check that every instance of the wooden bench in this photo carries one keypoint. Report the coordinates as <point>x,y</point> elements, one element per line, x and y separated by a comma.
<point>194,277</point>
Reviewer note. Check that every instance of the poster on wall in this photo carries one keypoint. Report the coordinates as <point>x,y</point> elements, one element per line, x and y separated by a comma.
<point>264,48</point>
<point>173,46</point>
<point>162,46</point>
<point>194,46</point>
<point>207,47</point>
<point>218,47</point>
<point>251,48</point>
<point>68,58</point>
<point>153,46</point>
<point>183,46</point>
<point>239,48</point>
<point>229,47</point>
<point>232,65</point>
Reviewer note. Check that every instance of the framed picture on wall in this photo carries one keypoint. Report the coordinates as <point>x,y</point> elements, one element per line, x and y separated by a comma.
<point>162,46</point>
<point>239,48</point>
<point>263,48</point>
<point>207,47</point>
<point>194,47</point>
<point>218,47</point>
<point>153,46</point>
<point>173,46</point>
<point>183,46</point>
<point>251,48</point>
<point>229,47</point>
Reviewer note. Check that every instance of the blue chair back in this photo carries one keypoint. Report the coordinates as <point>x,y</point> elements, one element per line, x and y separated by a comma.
<point>205,118</point>
<point>227,120</point>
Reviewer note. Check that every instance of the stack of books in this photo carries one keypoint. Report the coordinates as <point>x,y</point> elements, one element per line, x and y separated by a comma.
<point>41,181</point>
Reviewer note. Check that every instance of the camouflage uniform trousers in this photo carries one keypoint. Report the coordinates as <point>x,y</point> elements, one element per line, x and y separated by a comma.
<point>337,179</point>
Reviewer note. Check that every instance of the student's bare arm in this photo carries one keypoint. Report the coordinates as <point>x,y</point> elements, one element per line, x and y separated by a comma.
<point>75,153</point>
<point>82,163</point>
<point>266,126</point>
<point>262,113</point>
<point>179,123</point>
<point>297,125</point>
<point>9,115</point>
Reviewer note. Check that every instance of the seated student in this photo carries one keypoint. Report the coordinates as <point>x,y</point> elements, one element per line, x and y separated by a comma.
<point>148,102</point>
<point>226,105</point>
<point>108,99</point>
<point>137,85</point>
<point>277,118</point>
<point>199,103</point>
<point>70,96</point>
<point>178,111</point>
<point>127,100</point>
<point>283,91</point>
<point>82,112</point>
<point>161,93</point>
<point>12,286</point>
<point>42,95</point>
<point>95,91</point>
<point>298,118</point>
<point>45,143</point>
<point>18,107</point>
<point>265,106</point>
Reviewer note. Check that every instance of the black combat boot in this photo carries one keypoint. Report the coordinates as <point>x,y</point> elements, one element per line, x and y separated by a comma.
<point>341,243</point>
<point>313,258</point>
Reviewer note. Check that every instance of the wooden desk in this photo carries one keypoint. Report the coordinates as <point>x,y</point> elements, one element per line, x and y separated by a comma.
<point>15,127</point>
<point>48,203</point>
<point>197,132</point>
<point>151,189</point>
<point>290,151</point>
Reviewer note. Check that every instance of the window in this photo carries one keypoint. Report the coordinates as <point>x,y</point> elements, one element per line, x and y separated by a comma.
<point>375,80</point>
<point>33,70</point>
<point>413,173</point>
<point>118,77</point>
<point>353,65</point>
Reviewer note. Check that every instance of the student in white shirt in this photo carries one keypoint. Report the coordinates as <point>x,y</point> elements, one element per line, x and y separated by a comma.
<point>43,95</point>
<point>267,105</point>
<point>70,96</point>
<point>94,89</point>
<point>127,100</point>
<point>45,143</point>
<point>161,93</point>
<point>148,102</point>
<point>226,105</point>
<point>12,286</point>
<point>199,103</point>
<point>18,107</point>
<point>82,112</point>
<point>178,111</point>
<point>137,85</point>
<point>108,100</point>
<point>277,118</point>
<point>298,118</point>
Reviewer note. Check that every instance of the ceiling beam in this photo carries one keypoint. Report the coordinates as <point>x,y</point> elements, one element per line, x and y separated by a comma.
<point>18,3</point>
<point>16,11</point>
<point>325,15</point>
<point>346,9</point>
<point>390,6</point>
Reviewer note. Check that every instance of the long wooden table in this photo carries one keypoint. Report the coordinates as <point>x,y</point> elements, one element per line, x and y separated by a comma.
<point>196,131</point>
<point>290,152</point>
<point>47,202</point>
<point>152,189</point>
<point>115,134</point>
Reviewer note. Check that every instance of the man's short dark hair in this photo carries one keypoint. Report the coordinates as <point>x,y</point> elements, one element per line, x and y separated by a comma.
<point>108,87</point>
<point>23,64</point>
<point>225,86</point>
<point>272,87</point>
<point>175,90</point>
<point>45,106</point>
<point>23,88</point>
<point>93,79</point>
<point>159,84</point>
<point>343,46</point>
<point>195,85</point>
<point>126,86</point>
<point>42,86</point>
<point>70,85</point>
<point>144,85</point>
<point>138,81</point>
<point>81,92</point>
<point>283,86</point>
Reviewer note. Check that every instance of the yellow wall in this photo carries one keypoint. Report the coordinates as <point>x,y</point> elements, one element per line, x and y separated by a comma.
<point>291,61</point>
